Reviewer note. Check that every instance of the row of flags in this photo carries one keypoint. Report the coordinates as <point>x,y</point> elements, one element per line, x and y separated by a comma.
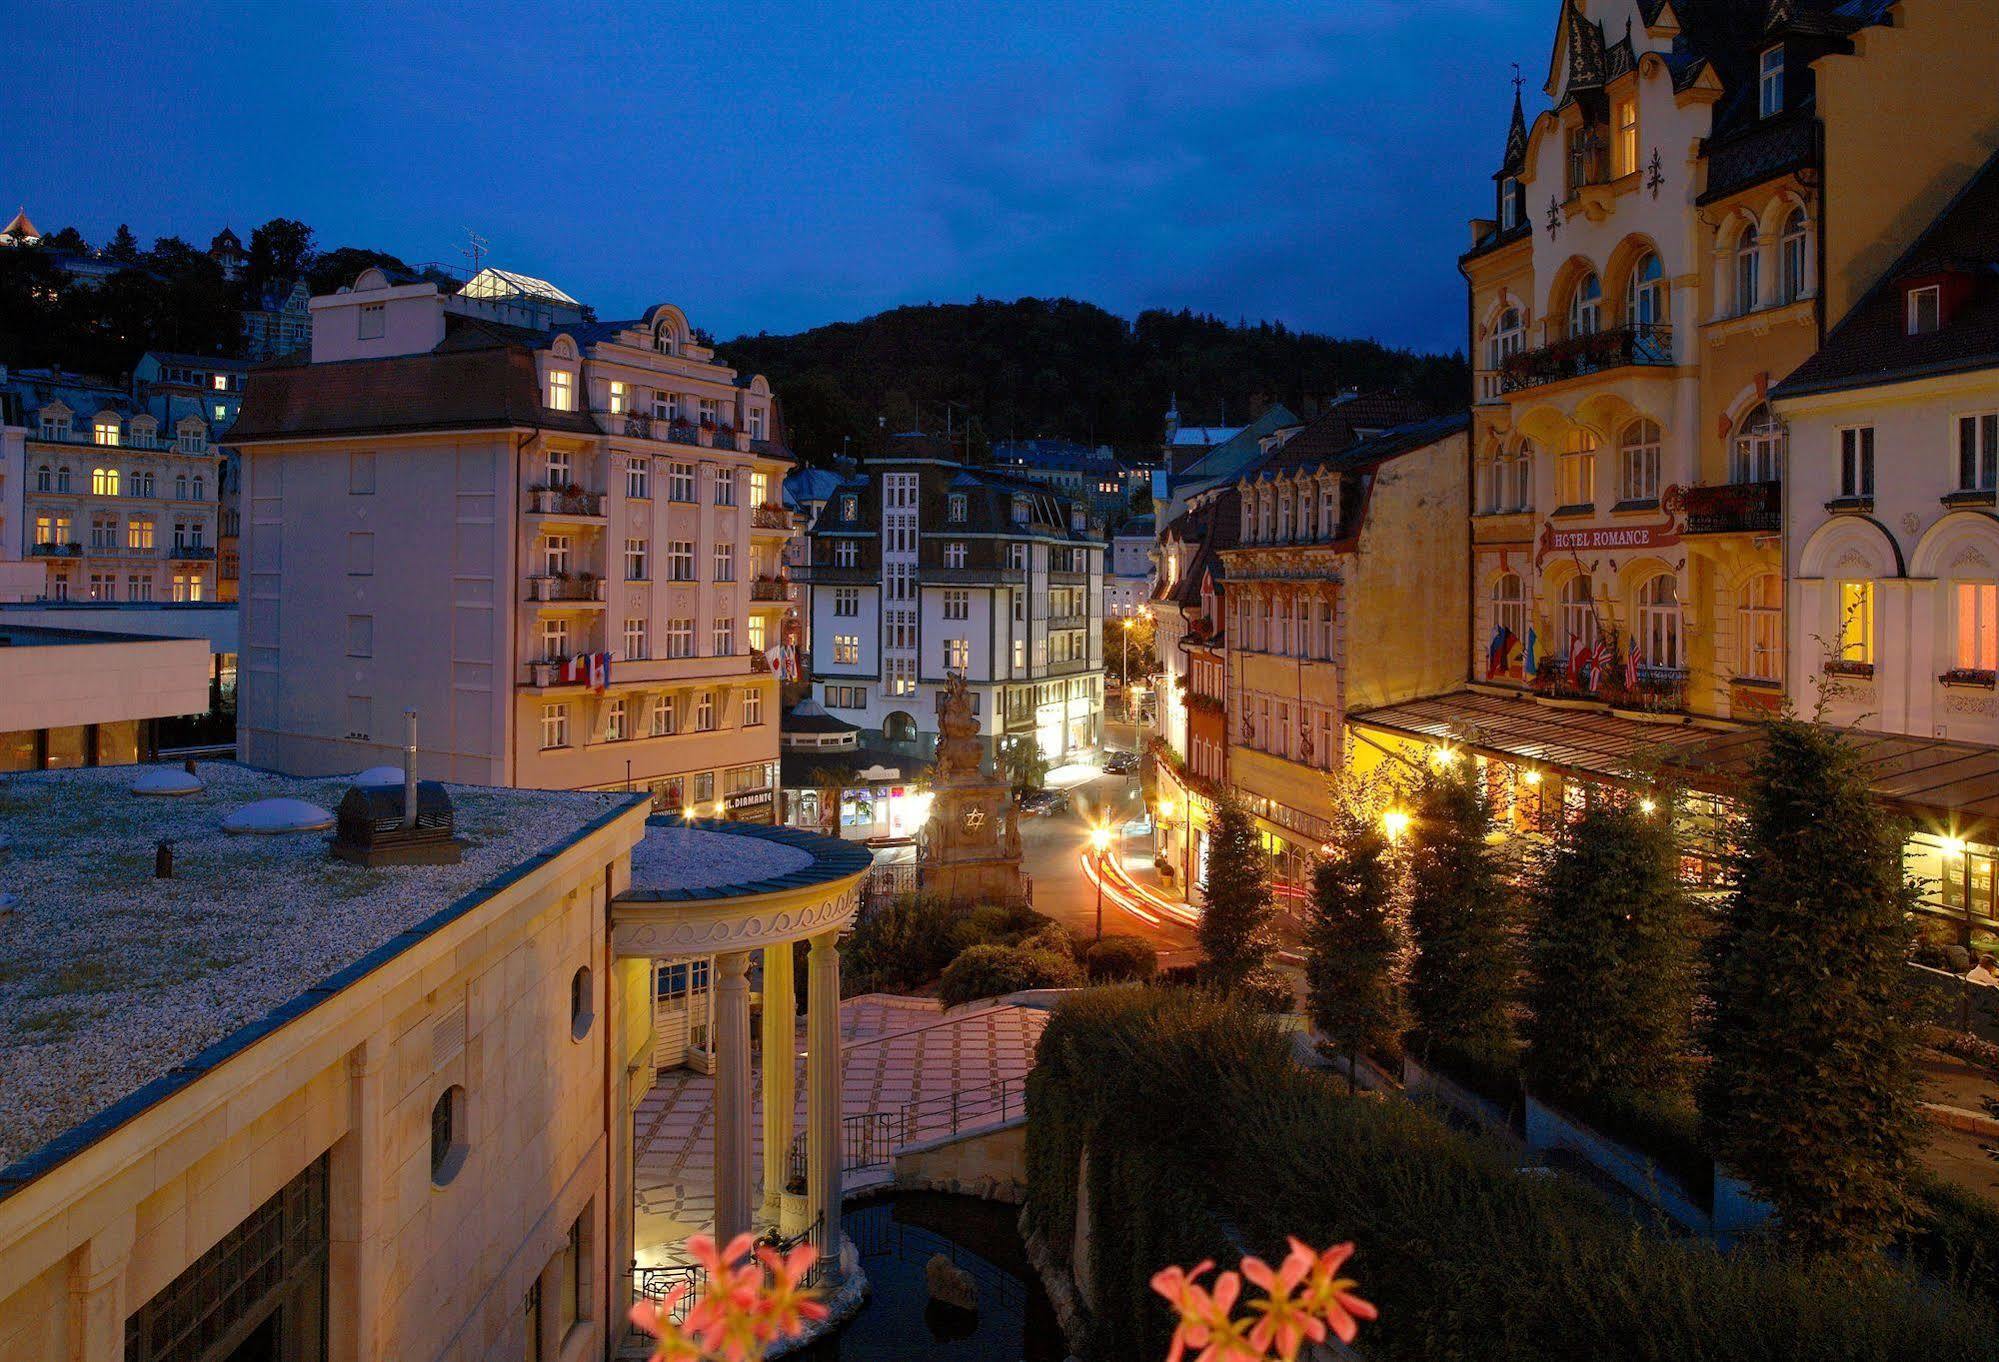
<point>588,669</point>
<point>1588,667</point>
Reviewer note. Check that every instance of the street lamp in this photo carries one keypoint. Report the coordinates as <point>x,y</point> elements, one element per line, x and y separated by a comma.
<point>1127,668</point>
<point>1100,839</point>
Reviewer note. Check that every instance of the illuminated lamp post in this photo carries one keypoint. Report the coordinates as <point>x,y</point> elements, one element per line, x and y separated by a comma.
<point>1100,841</point>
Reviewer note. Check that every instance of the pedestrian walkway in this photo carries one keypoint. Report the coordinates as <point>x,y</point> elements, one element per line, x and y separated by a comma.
<point>896,1050</point>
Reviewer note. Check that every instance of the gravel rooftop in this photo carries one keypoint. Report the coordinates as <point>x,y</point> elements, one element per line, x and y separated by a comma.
<point>109,978</point>
<point>695,858</point>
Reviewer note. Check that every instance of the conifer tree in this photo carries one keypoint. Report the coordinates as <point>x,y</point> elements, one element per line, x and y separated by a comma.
<point>1234,933</point>
<point>1613,945</point>
<point>1463,918</point>
<point>1351,938</point>
<point>1812,1093</point>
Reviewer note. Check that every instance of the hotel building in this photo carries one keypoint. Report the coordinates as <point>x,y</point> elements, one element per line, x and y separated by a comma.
<point>922,566</point>
<point>562,547</point>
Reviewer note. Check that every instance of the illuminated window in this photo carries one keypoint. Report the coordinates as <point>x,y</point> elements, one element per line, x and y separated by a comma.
<point>1626,145</point>
<point>104,482</point>
<point>620,398</point>
<point>758,633</point>
<point>561,390</point>
<point>846,649</point>
<point>1856,622</point>
<point>104,431</point>
<point>139,532</point>
<point>1977,626</point>
<point>221,383</point>
<point>957,654</point>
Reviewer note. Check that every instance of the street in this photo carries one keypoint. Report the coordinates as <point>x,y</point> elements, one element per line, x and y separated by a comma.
<point>1053,848</point>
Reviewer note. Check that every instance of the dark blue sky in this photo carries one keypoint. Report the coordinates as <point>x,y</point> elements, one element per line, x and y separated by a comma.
<point>778,165</point>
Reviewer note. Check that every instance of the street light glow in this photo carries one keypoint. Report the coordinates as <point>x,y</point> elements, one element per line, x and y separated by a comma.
<point>1395,822</point>
<point>1952,846</point>
<point>1532,777</point>
<point>1100,838</point>
<point>1444,756</point>
<point>1646,806</point>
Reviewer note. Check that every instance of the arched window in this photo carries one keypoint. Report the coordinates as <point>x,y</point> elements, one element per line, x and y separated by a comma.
<point>1586,307</point>
<point>1523,476</point>
<point>1638,462</point>
<point>1266,515</point>
<point>1659,622</point>
<point>44,478</point>
<point>1791,255</point>
<point>1578,614</point>
<point>1763,628</point>
<point>1748,270</point>
<point>180,486</point>
<point>104,482</point>
<point>1509,612</point>
<point>582,1004</point>
<point>1578,469</point>
<point>1284,514</point>
<point>662,339</point>
<point>447,1135</point>
<point>1645,294</point>
<point>200,488</point>
<point>899,726</point>
<point>1509,337</point>
<point>1759,448</point>
<point>62,477</point>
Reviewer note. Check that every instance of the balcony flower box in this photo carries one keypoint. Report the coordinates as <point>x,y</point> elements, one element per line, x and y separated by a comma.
<point>1858,670</point>
<point>584,587</point>
<point>566,500</point>
<point>1970,676</point>
<point>1735,508</point>
<point>770,589</point>
<point>770,516</point>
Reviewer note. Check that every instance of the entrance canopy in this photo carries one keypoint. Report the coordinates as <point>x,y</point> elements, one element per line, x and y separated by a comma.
<point>1945,786</point>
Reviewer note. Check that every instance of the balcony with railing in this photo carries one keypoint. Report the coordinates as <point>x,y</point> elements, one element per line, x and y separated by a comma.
<point>1639,344</point>
<point>192,553</point>
<point>584,588</point>
<point>770,516</point>
<point>568,503</point>
<point>1735,508</point>
<point>770,589</point>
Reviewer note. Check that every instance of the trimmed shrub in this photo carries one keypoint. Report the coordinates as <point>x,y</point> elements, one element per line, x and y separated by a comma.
<point>1956,1238</point>
<point>1120,959</point>
<point>1466,1258</point>
<point>994,924</point>
<point>1052,937</point>
<point>1234,931</point>
<point>1462,917</point>
<point>1613,942</point>
<point>901,944</point>
<point>1812,1094</point>
<point>989,971</point>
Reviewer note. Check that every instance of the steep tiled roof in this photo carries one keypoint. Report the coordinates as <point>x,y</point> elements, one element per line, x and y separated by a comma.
<point>1339,428</point>
<point>1871,344</point>
<point>446,389</point>
<point>1240,450</point>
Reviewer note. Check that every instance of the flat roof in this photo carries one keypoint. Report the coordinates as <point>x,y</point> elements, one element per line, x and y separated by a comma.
<point>48,636</point>
<point>117,989</point>
<point>713,858</point>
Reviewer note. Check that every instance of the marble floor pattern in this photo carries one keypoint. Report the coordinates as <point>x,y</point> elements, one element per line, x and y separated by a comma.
<point>896,1051</point>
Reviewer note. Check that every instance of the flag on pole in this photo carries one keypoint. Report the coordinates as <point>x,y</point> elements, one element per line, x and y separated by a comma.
<point>1533,650</point>
<point>1601,659</point>
<point>1631,665</point>
<point>1500,652</point>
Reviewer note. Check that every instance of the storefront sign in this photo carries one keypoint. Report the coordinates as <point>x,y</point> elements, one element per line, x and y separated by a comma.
<point>748,799</point>
<point>1604,539</point>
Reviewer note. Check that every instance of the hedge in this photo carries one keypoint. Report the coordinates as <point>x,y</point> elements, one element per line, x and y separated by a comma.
<point>1120,959</point>
<point>1193,1117</point>
<point>989,971</point>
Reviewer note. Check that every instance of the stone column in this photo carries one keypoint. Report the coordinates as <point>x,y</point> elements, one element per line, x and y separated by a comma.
<point>822,1098</point>
<point>780,1039</point>
<point>732,1095</point>
<point>97,1298</point>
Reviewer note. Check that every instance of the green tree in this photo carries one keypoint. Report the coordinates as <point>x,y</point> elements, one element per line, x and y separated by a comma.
<point>1235,929</point>
<point>1351,940</point>
<point>280,252</point>
<point>68,239</point>
<point>1612,948</point>
<point>1812,1093</point>
<point>1129,647</point>
<point>1462,918</point>
<point>123,246</point>
<point>1022,762</point>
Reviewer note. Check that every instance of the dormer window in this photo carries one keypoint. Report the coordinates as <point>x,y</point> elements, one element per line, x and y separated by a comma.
<point>1020,510</point>
<point>662,340</point>
<point>104,431</point>
<point>561,390</point>
<point>1925,309</point>
<point>1625,148</point>
<point>222,382</point>
<point>1770,83</point>
<point>956,507</point>
<point>1509,203</point>
<point>850,507</point>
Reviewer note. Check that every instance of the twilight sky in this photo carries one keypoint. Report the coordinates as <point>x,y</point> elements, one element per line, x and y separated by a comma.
<point>775,164</point>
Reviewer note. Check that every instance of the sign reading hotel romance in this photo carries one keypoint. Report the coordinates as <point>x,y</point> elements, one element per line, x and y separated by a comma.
<point>1662,534</point>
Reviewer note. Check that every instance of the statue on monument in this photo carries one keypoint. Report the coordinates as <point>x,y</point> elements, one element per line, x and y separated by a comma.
<point>970,849</point>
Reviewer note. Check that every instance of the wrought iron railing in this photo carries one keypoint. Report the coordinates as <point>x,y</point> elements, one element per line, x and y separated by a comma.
<point>55,551</point>
<point>770,516</point>
<point>657,1283</point>
<point>1617,347</point>
<point>565,588</point>
<point>1735,508</point>
<point>869,1139</point>
<point>550,501</point>
<point>769,589</point>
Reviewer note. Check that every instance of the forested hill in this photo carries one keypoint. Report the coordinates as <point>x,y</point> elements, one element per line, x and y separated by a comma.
<point>1058,368</point>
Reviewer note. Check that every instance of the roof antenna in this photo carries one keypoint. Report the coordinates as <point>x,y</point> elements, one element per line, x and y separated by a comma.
<point>474,248</point>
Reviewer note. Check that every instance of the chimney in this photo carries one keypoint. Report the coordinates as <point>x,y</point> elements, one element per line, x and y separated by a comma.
<point>409,768</point>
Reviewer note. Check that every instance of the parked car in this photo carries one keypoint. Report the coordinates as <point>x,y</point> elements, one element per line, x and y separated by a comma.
<point>1044,803</point>
<point>1121,763</point>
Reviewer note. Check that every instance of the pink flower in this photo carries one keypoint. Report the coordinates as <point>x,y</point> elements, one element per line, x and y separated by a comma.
<point>788,1307</point>
<point>1303,1299</point>
<point>1329,1295</point>
<point>1282,1319</point>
